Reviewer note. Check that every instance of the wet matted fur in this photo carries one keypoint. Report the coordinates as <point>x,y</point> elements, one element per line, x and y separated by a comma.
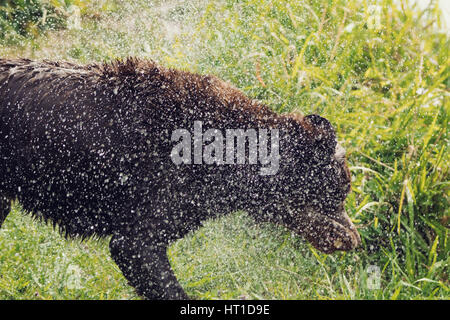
<point>88,148</point>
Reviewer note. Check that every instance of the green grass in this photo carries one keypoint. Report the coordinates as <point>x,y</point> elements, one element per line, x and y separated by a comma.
<point>382,77</point>
<point>22,19</point>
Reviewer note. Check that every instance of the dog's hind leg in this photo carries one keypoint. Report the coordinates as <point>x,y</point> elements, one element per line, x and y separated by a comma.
<point>5,208</point>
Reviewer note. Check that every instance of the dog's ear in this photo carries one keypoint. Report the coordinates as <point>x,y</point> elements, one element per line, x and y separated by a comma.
<point>314,137</point>
<point>323,135</point>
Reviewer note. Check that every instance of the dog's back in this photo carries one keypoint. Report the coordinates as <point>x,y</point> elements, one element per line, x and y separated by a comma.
<point>55,156</point>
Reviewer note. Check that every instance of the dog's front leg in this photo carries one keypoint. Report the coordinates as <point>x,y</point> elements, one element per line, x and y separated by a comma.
<point>144,263</point>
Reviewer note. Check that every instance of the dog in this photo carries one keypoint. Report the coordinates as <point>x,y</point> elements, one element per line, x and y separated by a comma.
<point>90,148</point>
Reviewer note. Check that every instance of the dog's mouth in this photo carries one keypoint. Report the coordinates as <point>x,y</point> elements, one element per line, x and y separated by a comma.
<point>328,233</point>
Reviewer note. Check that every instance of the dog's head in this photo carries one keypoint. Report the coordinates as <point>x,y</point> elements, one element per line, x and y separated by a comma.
<point>312,185</point>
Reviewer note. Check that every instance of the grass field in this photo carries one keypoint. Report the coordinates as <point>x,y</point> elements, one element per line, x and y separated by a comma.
<point>378,70</point>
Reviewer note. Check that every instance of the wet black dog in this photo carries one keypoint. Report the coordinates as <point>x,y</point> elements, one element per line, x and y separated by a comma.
<point>89,149</point>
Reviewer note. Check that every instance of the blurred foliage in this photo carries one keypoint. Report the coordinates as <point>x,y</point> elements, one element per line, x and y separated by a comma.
<point>21,19</point>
